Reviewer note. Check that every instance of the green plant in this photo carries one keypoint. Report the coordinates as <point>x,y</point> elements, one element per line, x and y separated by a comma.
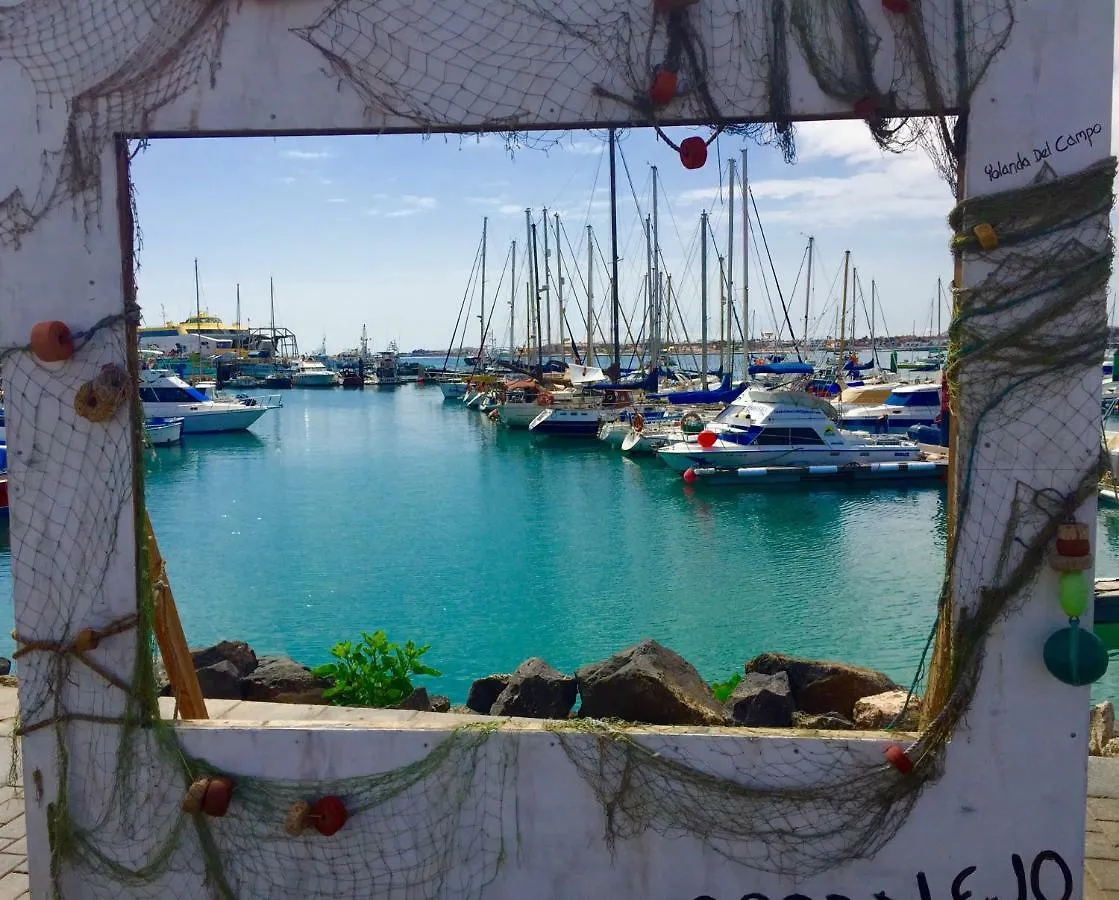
<point>373,672</point>
<point>723,689</point>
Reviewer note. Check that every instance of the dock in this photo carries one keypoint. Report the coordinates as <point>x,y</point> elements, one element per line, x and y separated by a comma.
<point>918,470</point>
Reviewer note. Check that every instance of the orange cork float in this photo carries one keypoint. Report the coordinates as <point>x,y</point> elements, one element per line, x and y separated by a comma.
<point>52,341</point>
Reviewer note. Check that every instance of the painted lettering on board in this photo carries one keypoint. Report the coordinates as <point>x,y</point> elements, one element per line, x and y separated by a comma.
<point>1048,877</point>
<point>1062,143</point>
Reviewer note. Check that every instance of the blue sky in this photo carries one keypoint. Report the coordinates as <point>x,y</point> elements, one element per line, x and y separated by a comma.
<point>383,231</point>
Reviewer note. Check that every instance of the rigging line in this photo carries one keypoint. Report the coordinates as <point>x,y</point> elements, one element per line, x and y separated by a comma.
<point>778,325</point>
<point>496,294</point>
<point>621,309</point>
<point>725,281</point>
<point>776,281</point>
<point>462,306</point>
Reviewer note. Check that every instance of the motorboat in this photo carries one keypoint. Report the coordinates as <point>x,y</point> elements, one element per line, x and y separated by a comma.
<point>782,428</point>
<point>310,373</point>
<point>161,431</point>
<point>166,396</point>
<point>904,407</point>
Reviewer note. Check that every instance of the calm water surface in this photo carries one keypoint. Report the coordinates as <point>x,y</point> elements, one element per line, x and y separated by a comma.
<point>356,510</point>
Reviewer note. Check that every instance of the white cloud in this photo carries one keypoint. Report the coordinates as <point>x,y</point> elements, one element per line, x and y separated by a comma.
<point>287,179</point>
<point>308,154</point>
<point>419,203</point>
<point>337,200</point>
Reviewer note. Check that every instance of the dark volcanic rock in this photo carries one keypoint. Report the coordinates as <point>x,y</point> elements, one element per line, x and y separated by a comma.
<point>538,691</point>
<point>439,703</point>
<point>5,666</point>
<point>221,681</point>
<point>485,691</point>
<point>277,679</point>
<point>822,721</point>
<point>822,687</point>
<point>647,683</point>
<point>238,653</point>
<point>762,701</point>
<point>418,700</point>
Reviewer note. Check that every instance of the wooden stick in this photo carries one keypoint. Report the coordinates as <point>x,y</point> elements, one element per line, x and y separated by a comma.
<point>170,637</point>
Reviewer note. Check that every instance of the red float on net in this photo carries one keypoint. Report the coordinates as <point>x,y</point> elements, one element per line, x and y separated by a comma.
<point>901,7</point>
<point>898,758</point>
<point>663,88</point>
<point>52,341</point>
<point>693,152</point>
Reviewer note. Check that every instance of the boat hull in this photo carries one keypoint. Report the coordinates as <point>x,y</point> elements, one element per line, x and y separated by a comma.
<point>519,415</point>
<point>314,380</point>
<point>683,456</point>
<point>207,420</point>
<point>887,424</point>
<point>571,422</point>
<point>161,433</point>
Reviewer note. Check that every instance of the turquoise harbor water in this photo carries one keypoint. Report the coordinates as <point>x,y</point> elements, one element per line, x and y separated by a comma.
<point>351,510</point>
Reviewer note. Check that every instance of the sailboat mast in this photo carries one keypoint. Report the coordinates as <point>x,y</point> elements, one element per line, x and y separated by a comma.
<point>873,342</point>
<point>730,255</point>
<point>649,301</point>
<point>808,291</point>
<point>729,365</point>
<point>238,307</point>
<point>615,305</point>
<point>843,312</point>
<point>482,309</point>
<point>855,292</point>
<point>513,303</point>
<point>198,314</point>
<point>559,289</point>
<point>589,357</point>
<point>548,283</point>
<point>536,285</point>
<point>529,322</point>
<point>939,296</point>
<point>703,300</point>
<point>745,266</point>
<point>656,349</point>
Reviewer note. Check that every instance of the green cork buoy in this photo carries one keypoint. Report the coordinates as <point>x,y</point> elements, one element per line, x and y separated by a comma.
<point>1075,656</point>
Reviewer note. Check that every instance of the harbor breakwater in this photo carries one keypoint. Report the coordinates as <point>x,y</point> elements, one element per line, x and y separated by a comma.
<point>646,683</point>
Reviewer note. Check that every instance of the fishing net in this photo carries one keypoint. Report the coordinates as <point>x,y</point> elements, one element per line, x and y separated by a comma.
<point>112,64</point>
<point>444,823</point>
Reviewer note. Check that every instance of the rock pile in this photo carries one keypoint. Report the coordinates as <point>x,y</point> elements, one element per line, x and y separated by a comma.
<point>646,683</point>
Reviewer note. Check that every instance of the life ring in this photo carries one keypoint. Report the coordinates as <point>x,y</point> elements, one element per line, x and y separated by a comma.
<point>638,422</point>
<point>544,399</point>
<point>609,397</point>
<point>691,423</point>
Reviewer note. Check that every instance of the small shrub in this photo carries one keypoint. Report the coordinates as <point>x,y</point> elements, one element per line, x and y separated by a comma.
<point>723,689</point>
<point>373,672</point>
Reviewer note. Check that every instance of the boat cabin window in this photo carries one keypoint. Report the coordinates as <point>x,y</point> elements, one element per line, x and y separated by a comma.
<point>773,436</point>
<point>930,397</point>
<point>804,436</point>
<point>171,395</point>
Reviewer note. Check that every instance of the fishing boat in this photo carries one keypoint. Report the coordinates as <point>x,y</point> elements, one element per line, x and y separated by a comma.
<point>310,373</point>
<point>164,396</point>
<point>161,431</point>
<point>906,406</point>
<point>386,372</point>
<point>782,428</point>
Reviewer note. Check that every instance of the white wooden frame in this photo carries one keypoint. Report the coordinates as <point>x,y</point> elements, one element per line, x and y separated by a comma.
<point>1015,778</point>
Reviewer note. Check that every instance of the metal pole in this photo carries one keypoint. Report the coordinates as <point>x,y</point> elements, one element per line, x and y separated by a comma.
<point>559,286</point>
<point>548,283</point>
<point>536,285</point>
<point>730,255</point>
<point>589,358</point>
<point>615,303</point>
<point>808,291</point>
<point>703,300</point>
<point>745,266</point>
<point>656,350</point>
<point>513,304</point>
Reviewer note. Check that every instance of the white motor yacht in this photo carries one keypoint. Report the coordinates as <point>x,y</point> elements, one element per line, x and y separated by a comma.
<point>166,396</point>
<point>781,428</point>
<point>906,406</point>
<point>307,373</point>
